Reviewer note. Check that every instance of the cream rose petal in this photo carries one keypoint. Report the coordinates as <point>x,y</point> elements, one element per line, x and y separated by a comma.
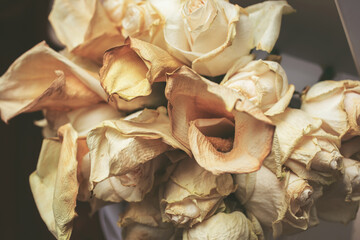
<point>266,20</point>
<point>335,102</point>
<point>44,79</point>
<point>130,70</point>
<point>55,185</point>
<point>222,226</point>
<point>84,27</point>
<point>199,109</point>
<point>193,194</point>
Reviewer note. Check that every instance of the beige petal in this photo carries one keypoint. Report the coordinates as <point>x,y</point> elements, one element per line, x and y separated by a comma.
<point>44,79</point>
<point>222,226</point>
<point>193,194</point>
<point>198,109</point>
<point>84,27</point>
<point>334,102</point>
<point>276,202</point>
<point>130,70</point>
<point>55,185</point>
<point>266,20</point>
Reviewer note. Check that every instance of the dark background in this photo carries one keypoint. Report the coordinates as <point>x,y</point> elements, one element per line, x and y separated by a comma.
<point>23,24</point>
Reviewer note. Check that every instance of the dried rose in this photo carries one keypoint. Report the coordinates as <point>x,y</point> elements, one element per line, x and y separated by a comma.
<point>210,35</point>
<point>43,79</point>
<point>84,27</point>
<point>264,83</point>
<point>283,205</point>
<point>302,145</point>
<point>55,183</point>
<point>225,226</point>
<point>133,71</point>
<point>340,201</point>
<point>220,126</point>
<point>193,194</point>
<point>127,152</point>
<point>337,103</point>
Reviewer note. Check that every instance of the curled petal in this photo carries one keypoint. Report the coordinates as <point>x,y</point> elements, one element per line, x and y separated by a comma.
<point>43,79</point>
<point>200,109</point>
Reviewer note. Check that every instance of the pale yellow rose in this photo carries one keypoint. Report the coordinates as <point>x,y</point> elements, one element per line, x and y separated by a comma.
<point>210,35</point>
<point>264,83</point>
<point>337,103</point>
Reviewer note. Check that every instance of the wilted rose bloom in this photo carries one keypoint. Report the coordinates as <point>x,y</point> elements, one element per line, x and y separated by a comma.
<point>210,35</point>
<point>44,79</point>
<point>55,183</point>
<point>193,194</point>
<point>264,83</point>
<point>340,201</point>
<point>142,220</point>
<point>302,145</point>
<point>337,103</point>
<point>221,127</point>
<point>125,154</point>
<point>84,27</point>
<point>224,226</point>
<point>133,74</point>
<point>283,205</point>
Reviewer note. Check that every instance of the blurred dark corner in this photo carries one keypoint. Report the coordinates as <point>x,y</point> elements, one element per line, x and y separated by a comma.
<point>23,24</point>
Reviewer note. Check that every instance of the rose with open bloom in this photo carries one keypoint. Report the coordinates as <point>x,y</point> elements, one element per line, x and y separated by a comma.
<point>264,83</point>
<point>210,35</point>
<point>337,103</point>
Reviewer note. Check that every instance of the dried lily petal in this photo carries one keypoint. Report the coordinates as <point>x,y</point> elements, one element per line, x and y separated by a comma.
<point>223,226</point>
<point>54,184</point>
<point>340,201</point>
<point>211,35</point>
<point>44,79</point>
<point>221,127</point>
<point>128,148</point>
<point>276,203</point>
<point>143,220</point>
<point>304,147</point>
<point>129,71</point>
<point>82,119</point>
<point>84,27</point>
<point>337,104</point>
<point>264,83</point>
<point>192,194</point>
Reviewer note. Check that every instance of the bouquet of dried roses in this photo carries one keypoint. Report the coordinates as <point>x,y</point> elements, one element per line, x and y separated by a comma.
<point>131,114</point>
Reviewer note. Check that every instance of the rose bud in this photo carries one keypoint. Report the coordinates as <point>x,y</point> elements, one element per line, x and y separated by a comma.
<point>302,145</point>
<point>127,153</point>
<point>224,130</point>
<point>340,201</point>
<point>210,35</point>
<point>225,226</point>
<point>264,83</point>
<point>337,103</point>
<point>283,205</point>
<point>193,194</point>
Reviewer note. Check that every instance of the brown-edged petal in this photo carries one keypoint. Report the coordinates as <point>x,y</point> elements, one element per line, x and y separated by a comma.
<point>224,130</point>
<point>43,79</point>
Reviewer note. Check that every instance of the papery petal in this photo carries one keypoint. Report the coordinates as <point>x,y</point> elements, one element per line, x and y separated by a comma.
<point>198,108</point>
<point>266,19</point>
<point>84,27</point>
<point>232,226</point>
<point>44,79</point>
<point>55,185</point>
<point>130,70</point>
